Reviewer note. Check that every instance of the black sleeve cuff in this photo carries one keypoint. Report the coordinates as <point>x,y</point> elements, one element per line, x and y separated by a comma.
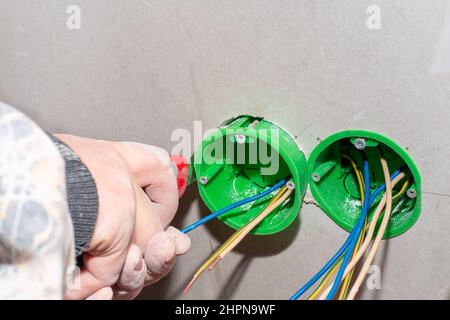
<point>82,197</point>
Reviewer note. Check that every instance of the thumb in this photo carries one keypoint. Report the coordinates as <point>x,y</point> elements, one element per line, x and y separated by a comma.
<point>182,240</point>
<point>161,252</point>
<point>159,256</point>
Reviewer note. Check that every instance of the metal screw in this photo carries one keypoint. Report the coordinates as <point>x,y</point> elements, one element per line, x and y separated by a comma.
<point>411,193</point>
<point>203,180</point>
<point>360,143</point>
<point>240,138</point>
<point>315,177</point>
<point>290,185</point>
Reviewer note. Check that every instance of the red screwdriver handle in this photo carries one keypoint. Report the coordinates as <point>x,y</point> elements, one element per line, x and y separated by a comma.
<point>182,167</point>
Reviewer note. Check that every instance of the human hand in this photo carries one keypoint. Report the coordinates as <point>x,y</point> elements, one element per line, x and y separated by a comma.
<point>132,245</point>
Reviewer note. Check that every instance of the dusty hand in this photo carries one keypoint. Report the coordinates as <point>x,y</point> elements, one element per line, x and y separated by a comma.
<point>132,244</point>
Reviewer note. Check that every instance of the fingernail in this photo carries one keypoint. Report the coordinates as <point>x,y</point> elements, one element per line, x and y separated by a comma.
<point>138,266</point>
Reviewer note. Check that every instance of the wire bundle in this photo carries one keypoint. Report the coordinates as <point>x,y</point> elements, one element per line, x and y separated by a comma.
<point>279,200</point>
<point>233,205</point>
<point>347,257</point>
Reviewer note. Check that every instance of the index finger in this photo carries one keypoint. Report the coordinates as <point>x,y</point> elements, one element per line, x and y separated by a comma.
<point>152,168</point>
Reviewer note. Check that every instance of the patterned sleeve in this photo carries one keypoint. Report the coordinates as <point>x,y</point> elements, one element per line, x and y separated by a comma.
<point>36,235</point>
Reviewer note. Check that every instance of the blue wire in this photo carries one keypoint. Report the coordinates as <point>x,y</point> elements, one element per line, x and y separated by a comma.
<point>382,186</point>
<point>322,271</point>
<point>355,232</point>
<point>233,205</point>
<point>344,247</point>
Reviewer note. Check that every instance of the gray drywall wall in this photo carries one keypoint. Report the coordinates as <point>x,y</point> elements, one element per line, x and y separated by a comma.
<point>138,70</point>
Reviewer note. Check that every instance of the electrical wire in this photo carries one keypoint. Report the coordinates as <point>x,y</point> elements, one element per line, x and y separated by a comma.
<point>321,272</point>
<point>402,190</point>
<point>382,186</point>
<point>269,208</point>
<point>325,279</point>
<point>250,226</point>
<point>359,177</point>
<point>370,232</point>
<point>341,250</point>
<point>237,233</point>
<point>355,232</point>
<point>378,238</point>
<point>233,205</point>
<point>348,278</point>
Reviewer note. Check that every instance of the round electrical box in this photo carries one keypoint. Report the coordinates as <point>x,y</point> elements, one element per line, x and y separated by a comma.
<point>242,158</point>
<point>334,185</point>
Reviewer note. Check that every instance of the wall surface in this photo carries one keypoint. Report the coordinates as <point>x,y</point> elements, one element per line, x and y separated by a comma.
<point>137,70</point>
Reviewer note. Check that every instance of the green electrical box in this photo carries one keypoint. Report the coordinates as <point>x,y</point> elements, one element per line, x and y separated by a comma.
<point>334,185</point>
<point>243,158</point>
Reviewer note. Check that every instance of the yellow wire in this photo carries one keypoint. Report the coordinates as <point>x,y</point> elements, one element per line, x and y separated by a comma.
<point>348,278</point>
<point>358,176</point>
<point>319,289</point>
<point>234,236</point>
<point>336,267</point>
<point>398,194</point>
<point>253,223</point>
<point>324,282</point>
<point>278,196</point>
<point>402,190</point>
<point>239,232</point>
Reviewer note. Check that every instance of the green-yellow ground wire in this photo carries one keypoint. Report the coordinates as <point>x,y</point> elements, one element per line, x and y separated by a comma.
<point>325,279</point>
<point>360,179</point>
<point>213,257</point>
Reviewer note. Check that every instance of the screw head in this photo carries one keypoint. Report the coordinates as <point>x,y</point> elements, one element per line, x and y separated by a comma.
<point>203,180</point>
<point>240,138</point>
<point>290,185</point>
<point>315,177</point>
<point>411,193</point>
<point>360,143</point>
